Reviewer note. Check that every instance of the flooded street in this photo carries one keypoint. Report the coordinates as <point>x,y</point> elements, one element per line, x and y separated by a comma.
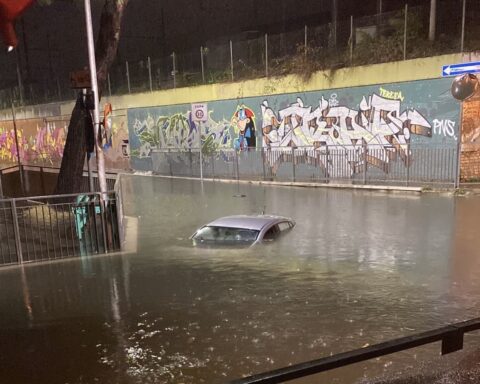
<point>359,268</point>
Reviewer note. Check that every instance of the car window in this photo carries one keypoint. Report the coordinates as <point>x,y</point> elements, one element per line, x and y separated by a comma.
<point>207,234</point>
<point>225,234</point>
<point>272,233</point>
<point>284,225</point>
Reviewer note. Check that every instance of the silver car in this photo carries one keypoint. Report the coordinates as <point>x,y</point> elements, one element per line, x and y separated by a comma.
<point>242,230</point>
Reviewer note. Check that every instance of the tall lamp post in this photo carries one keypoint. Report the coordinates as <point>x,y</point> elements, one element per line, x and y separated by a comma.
<point>96,112</point>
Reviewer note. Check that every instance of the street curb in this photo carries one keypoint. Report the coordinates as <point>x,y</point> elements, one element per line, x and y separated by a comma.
<point>386,188</point>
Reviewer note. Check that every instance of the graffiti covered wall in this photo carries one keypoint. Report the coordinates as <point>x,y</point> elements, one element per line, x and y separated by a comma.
<point>386,116</point>
<point>116,149</point>
<point>41,141</point>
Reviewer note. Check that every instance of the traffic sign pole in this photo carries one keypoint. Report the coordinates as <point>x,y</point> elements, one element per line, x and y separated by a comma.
<point>199,115</point>
<point>200,142</point>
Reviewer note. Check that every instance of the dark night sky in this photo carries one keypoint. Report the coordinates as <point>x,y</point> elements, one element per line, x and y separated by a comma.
<point>52,38</point>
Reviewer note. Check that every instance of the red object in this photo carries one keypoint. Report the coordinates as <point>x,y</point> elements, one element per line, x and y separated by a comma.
<point>9,11</point>
<point>244,112</point>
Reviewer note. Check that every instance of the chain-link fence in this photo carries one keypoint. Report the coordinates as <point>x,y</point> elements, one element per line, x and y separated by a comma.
<point>348,41</point>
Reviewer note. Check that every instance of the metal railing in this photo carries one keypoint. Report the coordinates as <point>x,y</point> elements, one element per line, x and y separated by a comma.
<point>53,227</point>
<point>31,180</point>
<point>451,337</point>
<point>348,41</point>
<point>407,165</point>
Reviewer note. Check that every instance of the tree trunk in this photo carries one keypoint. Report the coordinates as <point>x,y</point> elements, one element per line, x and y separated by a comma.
<point>74,151</point>
<point>108,38</point>
<point>70,178</point>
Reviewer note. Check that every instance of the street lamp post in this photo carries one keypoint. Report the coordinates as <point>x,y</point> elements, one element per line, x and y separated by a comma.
<point>96,112</point>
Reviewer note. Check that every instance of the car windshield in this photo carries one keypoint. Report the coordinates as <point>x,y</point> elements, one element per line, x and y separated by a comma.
<point>212,234</point>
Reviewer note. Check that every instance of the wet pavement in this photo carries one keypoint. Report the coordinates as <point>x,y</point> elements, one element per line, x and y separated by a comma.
<point>359,268</point>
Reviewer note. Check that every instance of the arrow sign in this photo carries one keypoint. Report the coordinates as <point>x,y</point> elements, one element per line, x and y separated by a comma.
<point>460,69</point>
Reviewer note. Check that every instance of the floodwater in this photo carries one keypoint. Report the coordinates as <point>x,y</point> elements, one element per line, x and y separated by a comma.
<point>358,269</point>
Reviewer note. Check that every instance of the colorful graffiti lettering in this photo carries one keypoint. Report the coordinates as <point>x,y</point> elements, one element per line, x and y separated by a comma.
<point>379,123</point>
<point>50,141</point>
<point>179,131</point>
<point>37,141</point>
<point>8,147</point>
<point>393,95</point>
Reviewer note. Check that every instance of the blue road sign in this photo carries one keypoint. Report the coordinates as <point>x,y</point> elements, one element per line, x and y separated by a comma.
<point>460,69</point>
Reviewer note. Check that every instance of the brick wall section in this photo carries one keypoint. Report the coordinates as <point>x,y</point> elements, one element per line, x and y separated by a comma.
<point>470,166</point>
<point>470,156</point>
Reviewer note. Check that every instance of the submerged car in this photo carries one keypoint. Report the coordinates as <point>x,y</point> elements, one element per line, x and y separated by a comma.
<point>242,230</point>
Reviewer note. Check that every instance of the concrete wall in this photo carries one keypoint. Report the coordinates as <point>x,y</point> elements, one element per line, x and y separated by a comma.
<point>412,88</point>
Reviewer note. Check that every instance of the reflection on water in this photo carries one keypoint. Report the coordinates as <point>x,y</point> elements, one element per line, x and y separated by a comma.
<point>359,268</point>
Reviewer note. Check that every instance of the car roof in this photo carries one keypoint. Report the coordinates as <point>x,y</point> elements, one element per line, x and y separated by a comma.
<point>255,222</point>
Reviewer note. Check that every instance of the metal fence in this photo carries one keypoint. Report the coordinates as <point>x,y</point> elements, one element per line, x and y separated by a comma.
<point>46,228</point>
<point>347,41</point>
<point>407,165</point>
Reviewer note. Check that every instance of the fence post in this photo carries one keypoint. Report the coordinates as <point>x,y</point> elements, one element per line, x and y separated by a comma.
<point>1,186</point>
<point>149,63</point>
<point>174,72</point>
<point>42,181</point>
<point>405,34</point>
<point>109,85</point>
<point>351,40</point>
<point>462,38</point>
<point>263,162</point>
<point>59,90</point>
<point>19,162</point>
<point>305,41</point>
<point>16,231</point>
<point>333,24</point>
<point>266,55</point>
<point>128,76</point>
<point>365,164</point>
<point>237,171</point>
<point>293,163</point>
<point>19,78</point>
<point>191,161</point>
<point>408,164</point>
<point>213,166</point>
<point>231,58</point>
<point>327,175</point>
<point>104,223</point>
<point>203,68</point>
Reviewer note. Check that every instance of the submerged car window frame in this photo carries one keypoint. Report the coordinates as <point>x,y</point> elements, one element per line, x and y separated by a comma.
<point>254,232</point>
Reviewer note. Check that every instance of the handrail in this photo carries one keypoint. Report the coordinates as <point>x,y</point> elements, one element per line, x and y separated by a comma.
<point>56,196</point>
<point>451,337</point>
<point>9,167</point>
<point>26,166</point>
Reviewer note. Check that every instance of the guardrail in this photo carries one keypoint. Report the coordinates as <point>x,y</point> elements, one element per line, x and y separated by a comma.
<point>43,228</point>
<point>451,337</point>
<point>406,164</point>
